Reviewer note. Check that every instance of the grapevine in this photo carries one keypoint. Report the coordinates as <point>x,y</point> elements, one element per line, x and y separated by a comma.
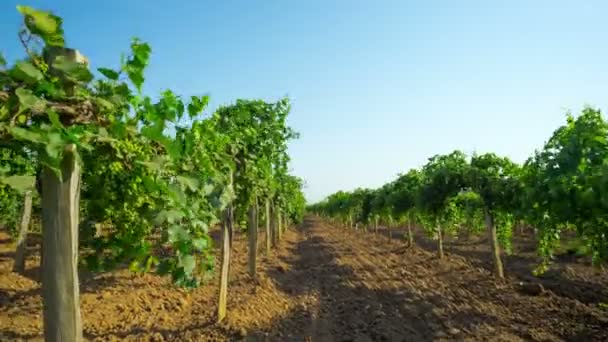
<point>559,188</point>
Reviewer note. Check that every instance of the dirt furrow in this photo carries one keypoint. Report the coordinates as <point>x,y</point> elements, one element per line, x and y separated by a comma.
<point>379,291</point>
<point>322,283</point>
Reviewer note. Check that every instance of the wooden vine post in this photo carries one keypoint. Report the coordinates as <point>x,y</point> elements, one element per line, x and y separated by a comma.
<point>439,241</point>
<point>267,226</point>
<point>225,267</point>
<point>376,224</point>
<point>286,224</point>
<point>273,225</point>
<point>493,238</point>
<point>60,216</point>
<point>410,235</point>
<point>279,225</point>
<point>252,231</point>
<point>26,215</point>
<point>60,222</point>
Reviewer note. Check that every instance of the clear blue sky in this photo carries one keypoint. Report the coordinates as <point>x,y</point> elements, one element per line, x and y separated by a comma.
<point>377,86</point>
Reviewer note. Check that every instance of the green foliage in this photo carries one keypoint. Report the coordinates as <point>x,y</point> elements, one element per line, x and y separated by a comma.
<point>443,177</point>
<point>26,72</point>
<point>471,206</point>
<point>17,172</point>
<point>382,206</point>
<point>562,187</point>
<point>135,65</point>
<point>257,134</point>
<point>43,24</point>
<point>404,195</point>
<point>569,184</point>
<point>154,186</point>
<point>497,181</point>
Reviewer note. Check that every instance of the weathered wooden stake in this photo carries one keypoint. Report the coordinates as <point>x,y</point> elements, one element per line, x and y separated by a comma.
<point>376,225</point>
<point>225,267</point>
<point>280,227</point>
<point>273,225</point>
<point>252,231</point>
<point>410,235</point>
<point>268,231</point>
<point>60,288</point>
<point>440,242</point>
<point>21,251</point>
<point>494,244</point>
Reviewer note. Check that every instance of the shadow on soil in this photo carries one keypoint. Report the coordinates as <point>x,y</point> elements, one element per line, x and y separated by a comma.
<point>350,309</point>
<point>519,267</point>
<point>158,334</point>
<point>12,300</point>
<point>13,336</point>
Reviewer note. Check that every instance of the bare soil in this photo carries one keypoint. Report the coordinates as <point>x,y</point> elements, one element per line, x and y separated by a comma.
<point>329,284</point>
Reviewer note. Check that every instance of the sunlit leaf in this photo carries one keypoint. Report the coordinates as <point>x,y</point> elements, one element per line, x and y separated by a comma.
<point>188,262</point>
<point>197,105</point>
<point>109,73</point>
<point>177,233</point>
<point>19,183</point>
<point>54,118</point>
<point>44,24</point>
<point>54,146</point>
<point>137,63</point>
<point>189,182</point>
<point>29,101</point>
<point>26,72</point>
<point>103,103</point>
<point>200,244</point>
<point>26,135</point>
<point>72,70</point>
<point>208,189</point>
<point>169,216</point>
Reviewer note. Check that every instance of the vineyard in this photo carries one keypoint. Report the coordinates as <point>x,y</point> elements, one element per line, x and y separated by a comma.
<point>125,216</point>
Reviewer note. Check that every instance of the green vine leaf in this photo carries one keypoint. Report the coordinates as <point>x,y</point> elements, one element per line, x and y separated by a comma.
<point>200,244</point>
<point>109,73</point>
<point>27,135</point>
<point>103,103</point>
<point>19,183</point>
<point>143,173</point>
<point>29,101</point>
<point>54,147</point>
<point>54,118</point>
<point>137,63</point>
<point>168,216</point>
<point>43,24</point>
<point>26,72</point>
<point>197,105</point>
<point>177,233</point>
<point>188,262</point>
<point>190,183</point>
<point>72,70</point>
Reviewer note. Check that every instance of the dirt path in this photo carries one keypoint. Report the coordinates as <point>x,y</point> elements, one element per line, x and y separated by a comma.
<point>321,284</point>
<point>368,290</point>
